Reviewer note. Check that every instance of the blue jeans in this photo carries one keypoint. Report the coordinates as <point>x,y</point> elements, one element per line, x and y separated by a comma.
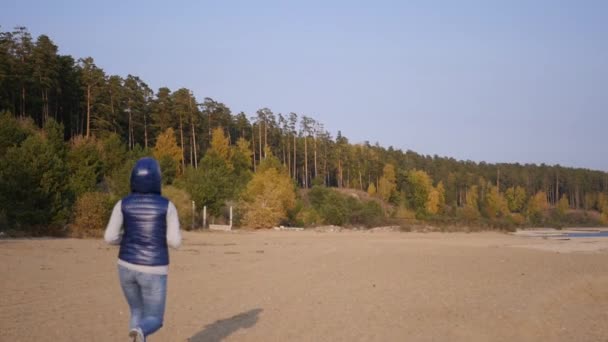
<point>146,295</point>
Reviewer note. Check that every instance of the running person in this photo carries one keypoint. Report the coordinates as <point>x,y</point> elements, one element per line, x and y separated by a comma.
<point>144,223</point>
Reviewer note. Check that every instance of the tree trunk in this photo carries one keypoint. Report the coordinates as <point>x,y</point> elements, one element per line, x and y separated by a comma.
<point>295,161</point>
<point>265,136</point>
<point>314,140</point>
<point>209,117</point>
<point>45,105</point>
<point>131,144</point>
<point>283,151</point>
<point>193,136</point>
<point>145,131</point>
<point>326,181</point>
<point>556,198</point>
<point>288,138</point>
<point>194,147</point>
<point>181,137</point>
<point>305,163</point>
<point>339,173</point>
<point>89,110</point>
<point>253,146</point>
<point>498,179</point>
<point>43,113</point>
<point>23,101</point>
<point>260,136</point>
<point>360,181</point>
<point>112,103</point>
<point>348,177</point>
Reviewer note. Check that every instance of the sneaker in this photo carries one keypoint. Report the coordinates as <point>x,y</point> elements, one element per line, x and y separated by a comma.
<point>137,335</point>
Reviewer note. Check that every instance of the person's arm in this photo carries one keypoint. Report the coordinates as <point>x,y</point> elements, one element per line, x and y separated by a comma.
<point>174,237</point>
<point>113,234</point>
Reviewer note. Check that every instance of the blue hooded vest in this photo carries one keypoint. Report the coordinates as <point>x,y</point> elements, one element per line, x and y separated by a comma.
<point>144,211</point>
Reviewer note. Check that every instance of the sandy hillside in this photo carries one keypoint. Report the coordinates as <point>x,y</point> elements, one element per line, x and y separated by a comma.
<point>308,286</point>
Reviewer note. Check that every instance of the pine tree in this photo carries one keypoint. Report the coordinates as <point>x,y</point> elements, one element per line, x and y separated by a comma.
<point>92,80</point>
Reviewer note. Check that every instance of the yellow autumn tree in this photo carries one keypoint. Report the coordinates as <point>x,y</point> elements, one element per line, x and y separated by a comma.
<point>268,196</point>
<point>563,205</point>
<point>537,204</point>
<point>371,189</point>
<point>167,152</point>
<point>387,185</point>
<point>601,202</point>
<point>432,203</point>
<point>220,145</point>
<point>420,186</point>
<point>470,211</point>
<point>495,204</point>
<point>472,197</point>
<point>589,201</point>
<point>436,199</point>
<point>441,196</point>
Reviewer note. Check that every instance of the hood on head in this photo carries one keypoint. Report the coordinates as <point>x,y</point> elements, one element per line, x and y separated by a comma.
<point>145,177</point>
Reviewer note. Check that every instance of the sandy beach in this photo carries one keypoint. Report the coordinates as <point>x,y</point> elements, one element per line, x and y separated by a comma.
<point>312,286</point>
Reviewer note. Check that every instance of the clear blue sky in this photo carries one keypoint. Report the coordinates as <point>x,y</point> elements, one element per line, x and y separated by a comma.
<point>499,81</point>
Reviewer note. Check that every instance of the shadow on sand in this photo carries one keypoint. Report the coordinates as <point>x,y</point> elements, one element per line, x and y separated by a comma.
<point>223,328</point>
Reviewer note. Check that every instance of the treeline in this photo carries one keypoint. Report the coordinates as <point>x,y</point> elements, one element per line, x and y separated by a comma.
<point>41,88</point>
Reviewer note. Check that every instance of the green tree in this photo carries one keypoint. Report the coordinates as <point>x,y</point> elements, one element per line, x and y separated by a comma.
<point>21,47</point>
<point>85,165</point>
<point>162,109</point>
<point>137,96</point>
<point>92,80</point>
<point>33,184</point>
<point>331,205</point>
<point>119,180</point>
<point>516,198</point>
<point>92,211</point>
<point>13,132</point>
<point>113,153</point>
<point>68,107</point>
<point>45,71</point>
<point>211,184</point>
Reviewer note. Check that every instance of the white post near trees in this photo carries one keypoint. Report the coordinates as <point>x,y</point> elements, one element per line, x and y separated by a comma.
<point>204,217</point>
<point>193,213</point>
<point>222,227</point>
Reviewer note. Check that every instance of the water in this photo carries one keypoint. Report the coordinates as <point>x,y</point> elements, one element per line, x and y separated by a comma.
<point>590,234</point>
